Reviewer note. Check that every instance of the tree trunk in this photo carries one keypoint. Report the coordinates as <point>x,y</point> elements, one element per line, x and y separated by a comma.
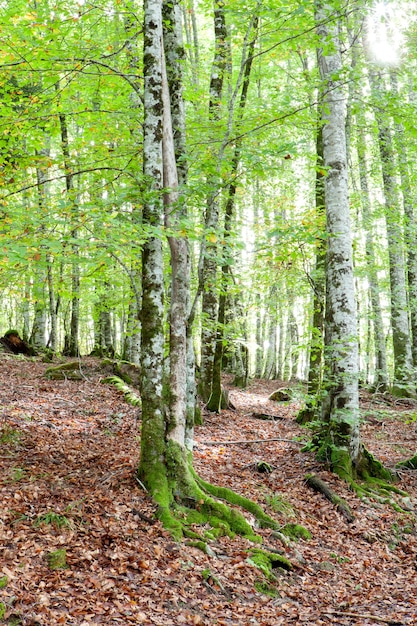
<point>381,373</point>
<point>209,244</point>
<point>403,383</point>
<point>72,348</point>
<point>410,224</point>
<point>315,368</point>
<point>340,411</point>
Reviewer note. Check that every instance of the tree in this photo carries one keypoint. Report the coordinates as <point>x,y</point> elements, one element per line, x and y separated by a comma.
<point>403,383</point>
<point>340,441</point>
<point>166,464</point>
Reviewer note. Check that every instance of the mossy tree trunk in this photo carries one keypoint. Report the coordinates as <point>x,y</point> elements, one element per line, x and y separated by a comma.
<point>165,463</point>
<point>381,372</point>
<point>339,441</point>
<point>410,222</point>
<point>340,410</point>
<point>315,368</point>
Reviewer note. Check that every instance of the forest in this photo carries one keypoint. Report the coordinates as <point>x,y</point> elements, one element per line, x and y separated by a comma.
<point>209,289</point>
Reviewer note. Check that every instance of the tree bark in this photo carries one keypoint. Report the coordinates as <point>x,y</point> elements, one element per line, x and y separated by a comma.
<point>341,409</point>
<point>403,382</point>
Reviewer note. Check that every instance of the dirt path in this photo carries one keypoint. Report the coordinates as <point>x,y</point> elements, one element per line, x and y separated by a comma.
<point>68,455</point>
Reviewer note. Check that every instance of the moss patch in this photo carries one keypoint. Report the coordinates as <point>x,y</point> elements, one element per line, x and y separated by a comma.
<point>266,589</point>
<point>408,463</point>
<point>57,559</point>
<point>267,562</point>
<point>296,531</point>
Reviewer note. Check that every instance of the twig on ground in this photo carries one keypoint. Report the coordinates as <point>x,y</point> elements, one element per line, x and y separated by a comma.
<point>376,618</point>
<point>242,441</point>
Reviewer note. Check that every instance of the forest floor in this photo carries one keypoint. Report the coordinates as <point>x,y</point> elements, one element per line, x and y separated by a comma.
<point>68,455</point>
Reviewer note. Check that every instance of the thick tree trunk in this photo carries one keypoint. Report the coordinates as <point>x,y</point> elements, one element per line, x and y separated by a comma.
<point>341,408</point>
<point>152,467</point>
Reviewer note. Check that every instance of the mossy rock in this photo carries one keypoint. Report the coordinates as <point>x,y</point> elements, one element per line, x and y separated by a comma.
<point>128,372</point>
<point>281,395</point>
<point>261,586</point>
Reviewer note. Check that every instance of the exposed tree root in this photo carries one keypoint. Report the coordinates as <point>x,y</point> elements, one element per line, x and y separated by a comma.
<point>368,478</point>
<point>320,486</point>
<point>187,503</point>
<point>408,463</point>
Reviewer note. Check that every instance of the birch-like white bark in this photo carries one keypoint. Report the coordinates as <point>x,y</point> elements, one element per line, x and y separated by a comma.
<point>341,356</point>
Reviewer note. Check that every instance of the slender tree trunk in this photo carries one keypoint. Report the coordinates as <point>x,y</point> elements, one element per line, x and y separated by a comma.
<point>53,334</point>
<point>72,348</point>
<point>38,335</point>
<point>209,244</point>
<point>403,383</point>
<point>315,368</point>
<point>218,399</point>
<point>410,223</point>
<point>381,372</point>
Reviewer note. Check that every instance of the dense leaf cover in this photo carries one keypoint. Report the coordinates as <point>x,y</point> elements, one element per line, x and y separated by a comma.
<point>68,459</point>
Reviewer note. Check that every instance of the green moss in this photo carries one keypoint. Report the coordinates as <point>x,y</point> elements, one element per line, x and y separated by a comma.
<point>198,418</point>
<point>57,559</point>
<point>234,498</point>
<point>267,561</point>
<point>130,396</point>
<point>63,367</point>
<point>296,531</point>
<point>266,589</point>
<point>2,610</point>
<point>341,463</point>
<point>369,467</point>
<point>3,582</point>
<point>408,463</point>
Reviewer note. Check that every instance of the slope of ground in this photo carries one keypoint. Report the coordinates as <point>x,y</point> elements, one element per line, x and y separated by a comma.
<point>68,453</point>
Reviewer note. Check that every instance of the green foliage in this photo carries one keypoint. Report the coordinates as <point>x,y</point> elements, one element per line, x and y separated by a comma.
<point>54,519</point>
<point>17,474</point>
<point>279,504</point>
